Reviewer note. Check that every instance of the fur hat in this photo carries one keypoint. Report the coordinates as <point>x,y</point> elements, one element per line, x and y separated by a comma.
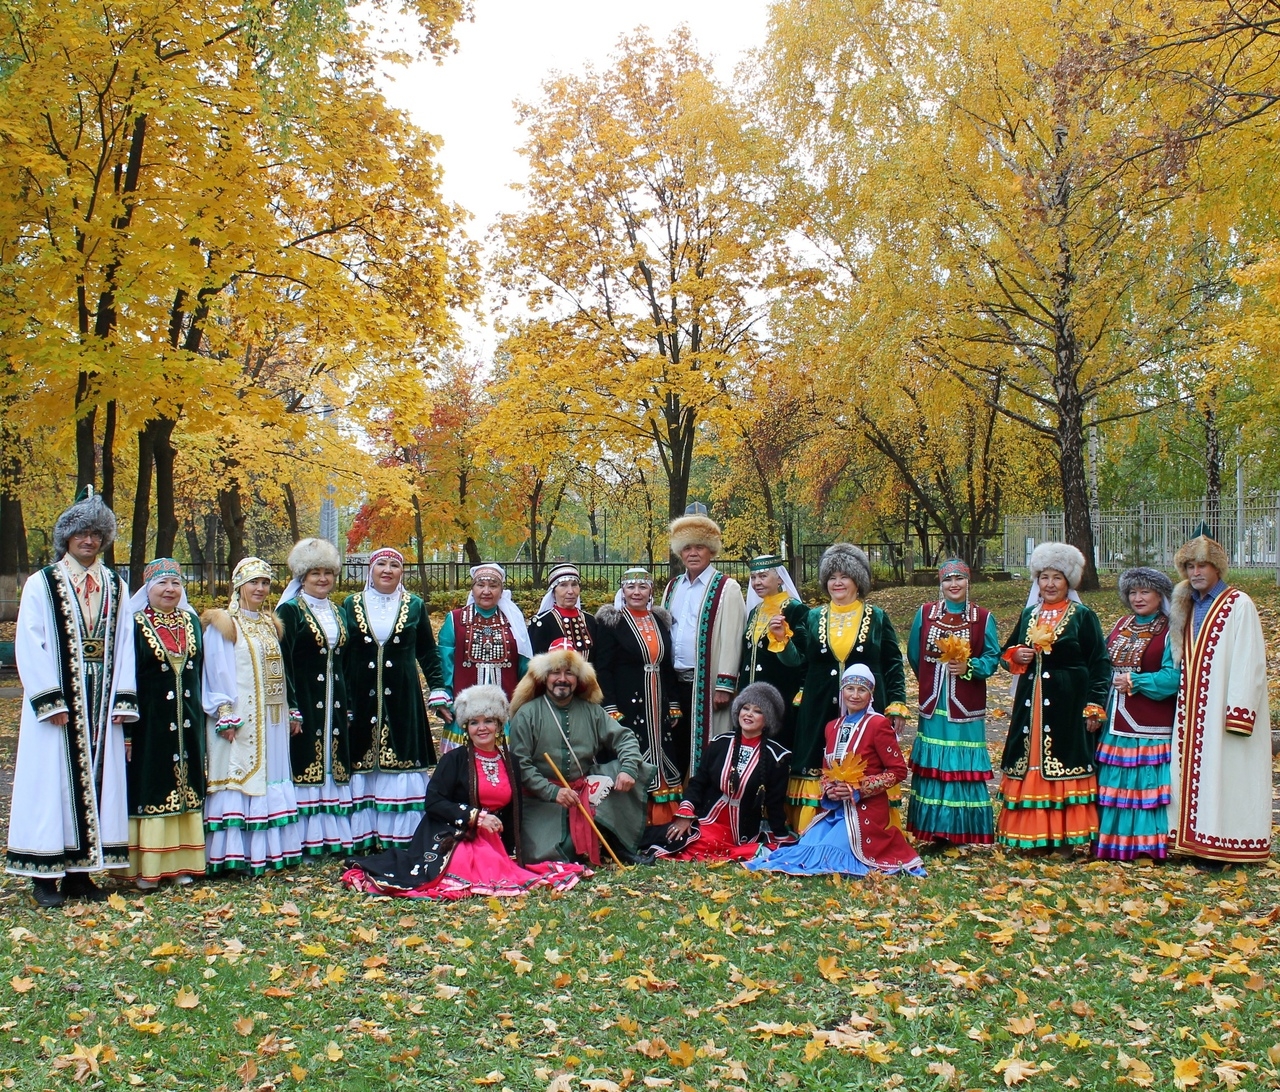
<point>695,531</point>
<point>1204,550</point>
<point>534,682</point>
<point>764,697</point>
<point>89,513</point>
<point>481,701</point>
<point>313,553</point>
<point>1061,557</point>
<point>1143,577</point>
<point>844,557</point>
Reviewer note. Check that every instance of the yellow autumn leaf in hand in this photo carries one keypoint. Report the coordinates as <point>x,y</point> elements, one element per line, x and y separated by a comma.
<point>953,649</point>
<point>1040,636</point>
<point>851,770</point>
<point>1186,1072</point>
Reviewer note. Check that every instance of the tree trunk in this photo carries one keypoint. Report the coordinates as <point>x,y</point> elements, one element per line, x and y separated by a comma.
<point>109,473</point>
<point>593,523</point>
<point>231,513</point>
<point>195,549</point>
<point>13,539</point>
<point>86,452</point>
<point>166,503</point>
<point>1212,472</point>
<point>291,510</point>
<point>141,507</point>
<point>422,557</point>
<point>1077,524</point>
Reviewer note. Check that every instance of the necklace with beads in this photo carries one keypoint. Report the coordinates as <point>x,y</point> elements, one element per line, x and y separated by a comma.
<point>490,767</point>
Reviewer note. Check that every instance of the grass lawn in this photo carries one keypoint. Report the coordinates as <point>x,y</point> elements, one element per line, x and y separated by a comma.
<point>994,971</point>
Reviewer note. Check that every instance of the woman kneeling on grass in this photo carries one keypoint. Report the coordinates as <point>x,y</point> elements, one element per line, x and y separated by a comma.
<point>737,801</point>
<point>861,761</point>
<point>471,828</point>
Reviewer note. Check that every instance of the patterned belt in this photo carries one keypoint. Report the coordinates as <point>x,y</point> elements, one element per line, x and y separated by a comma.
<point>93,649</point>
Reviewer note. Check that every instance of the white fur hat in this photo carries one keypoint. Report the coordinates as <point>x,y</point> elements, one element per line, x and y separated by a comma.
<point>313,553</point>
<point>481,701</point>
<point>1061,557</point>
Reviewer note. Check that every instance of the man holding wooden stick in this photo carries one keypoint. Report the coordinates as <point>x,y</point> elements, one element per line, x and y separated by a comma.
<point>557,724</point>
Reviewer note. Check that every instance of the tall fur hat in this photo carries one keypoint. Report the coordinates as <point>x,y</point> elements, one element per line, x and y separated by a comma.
<point>1061,557</point>
<point>844,557</point>
<point>534,682</point>
<point>767,699</point>
<point>313,553</point>
<point>481,701</point>
<point>1143,577</point>
<point>89,513</point>
<point>695,531</point>
<point>1204,550</point>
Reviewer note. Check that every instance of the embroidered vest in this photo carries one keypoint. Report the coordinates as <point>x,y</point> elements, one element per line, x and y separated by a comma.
<point>1135,646</point>
<point>966,698</point>
<point>484,651</point>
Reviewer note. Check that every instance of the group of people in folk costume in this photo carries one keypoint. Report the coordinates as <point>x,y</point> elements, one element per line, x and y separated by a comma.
<point>761,729</point>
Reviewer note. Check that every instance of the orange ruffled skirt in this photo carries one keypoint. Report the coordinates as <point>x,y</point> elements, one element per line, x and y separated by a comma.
<point>1037,813</point>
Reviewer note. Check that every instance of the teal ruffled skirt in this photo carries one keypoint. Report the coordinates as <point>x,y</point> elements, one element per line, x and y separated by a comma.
<point>950,768</point>
<point>1133,794</point>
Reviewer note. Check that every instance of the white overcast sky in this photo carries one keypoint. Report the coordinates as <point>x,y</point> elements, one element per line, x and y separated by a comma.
<point>511,47</point>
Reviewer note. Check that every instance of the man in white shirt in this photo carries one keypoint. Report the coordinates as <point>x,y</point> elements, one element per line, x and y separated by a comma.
<point>708,617</point>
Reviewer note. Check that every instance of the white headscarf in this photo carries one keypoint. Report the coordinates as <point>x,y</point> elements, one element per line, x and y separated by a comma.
<point>510,611</point>
<point>862,673</point>
<point>788,585</point>
<point>633,576</point>
<point>140,599</point>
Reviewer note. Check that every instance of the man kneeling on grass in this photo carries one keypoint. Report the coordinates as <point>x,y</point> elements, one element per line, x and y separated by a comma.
<point>556,712</point>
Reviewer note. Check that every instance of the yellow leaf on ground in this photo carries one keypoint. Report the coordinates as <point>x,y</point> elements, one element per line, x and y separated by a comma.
<point>492,1077</point>
<point>186,998</point>
<point>333,1052</point>
<point>828,969</point>
<point>1136,1071</point>
<point>709,918</point>
<point>814,1048</point>
<point>313,951</point>
<point>683,1055</point>
<point>297,1072</point>
<point>243,1025</point>
<point>1016,1070</point>
<point>1168,950</point>
<point>876,1051</point>
<point>167,950</point>
<point>627,1024</point>
<point>518,962</point>
<point>1186,1072</point>
<point>1021,1025</point>
<point>116,902</point>
<point>22,985</point>
<point>248,1071</point>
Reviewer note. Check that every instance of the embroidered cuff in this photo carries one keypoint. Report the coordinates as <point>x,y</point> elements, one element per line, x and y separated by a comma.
<point>612,710</point>
<point>1240,720</point>
<point>685,811</point>
<point>674,711</point>
<point>1014,668</point>
<point>126,705</point>
<point>438,699</point>
<point>798,698</point>
<point>295,716</point>
<point>47,704</point>
<point>896,709</point>
<point>1092,710</point>
<point>228,720</point>
<point>727,682</point>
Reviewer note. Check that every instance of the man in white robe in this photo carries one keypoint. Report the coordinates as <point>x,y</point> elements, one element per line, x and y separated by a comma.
<point>708,618</point>
<point>1220,810</point>
<point>70,808</point>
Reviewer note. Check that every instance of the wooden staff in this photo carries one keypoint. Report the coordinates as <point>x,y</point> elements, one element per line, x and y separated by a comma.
<point>585,810</point>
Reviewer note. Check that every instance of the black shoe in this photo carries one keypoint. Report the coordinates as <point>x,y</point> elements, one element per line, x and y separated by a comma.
<point>1204,864</point>
<point>629,858</point>
<point>46,894</point>
<point>77,885</point>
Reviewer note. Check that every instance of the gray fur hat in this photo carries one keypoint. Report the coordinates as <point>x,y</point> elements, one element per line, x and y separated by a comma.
<point>1061,557</point>
<point>768,699</point>
<point>480,701</point>
<point>1143,577</point>
<point>844,557</point>
<point>89,513</point>
<point>313,553</point>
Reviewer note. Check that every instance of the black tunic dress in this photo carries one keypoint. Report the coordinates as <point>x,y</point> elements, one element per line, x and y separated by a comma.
<point>452,805</point>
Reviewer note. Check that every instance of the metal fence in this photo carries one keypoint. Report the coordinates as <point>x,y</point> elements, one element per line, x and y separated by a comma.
<point>1150,534</point>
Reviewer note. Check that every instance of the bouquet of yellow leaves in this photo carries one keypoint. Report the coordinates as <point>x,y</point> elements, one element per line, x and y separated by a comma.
<point>851,770</point>
<point>1040,636</point>
<point>954,649</point>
